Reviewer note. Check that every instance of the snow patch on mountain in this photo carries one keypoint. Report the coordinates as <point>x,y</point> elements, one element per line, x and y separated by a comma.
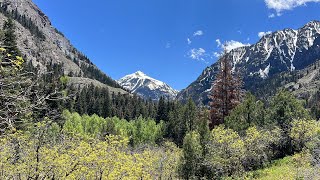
<point>264,73</point>
<point>147,87</point>
<point>280,51</point>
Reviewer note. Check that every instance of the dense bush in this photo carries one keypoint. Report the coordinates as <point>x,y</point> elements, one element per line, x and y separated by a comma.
<point>304,133</point>
<point>31,156</point>
<point>227,153</point>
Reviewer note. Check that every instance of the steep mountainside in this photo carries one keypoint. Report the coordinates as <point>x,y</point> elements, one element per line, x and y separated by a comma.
<point>147,87</point>
<point>41,43</point>
<point>282,51</point>
<point>304,83</point>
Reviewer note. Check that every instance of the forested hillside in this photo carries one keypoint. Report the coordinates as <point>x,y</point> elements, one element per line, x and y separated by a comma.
<point>50,130</point>
<point>43,45</point>
<point>62,118</point>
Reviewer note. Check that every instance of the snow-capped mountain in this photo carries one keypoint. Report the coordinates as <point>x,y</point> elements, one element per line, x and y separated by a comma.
<point>147,87</point>
<point>281,51</point>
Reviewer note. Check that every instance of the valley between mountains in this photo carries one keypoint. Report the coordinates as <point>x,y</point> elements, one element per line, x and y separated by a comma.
<point>252,114</point>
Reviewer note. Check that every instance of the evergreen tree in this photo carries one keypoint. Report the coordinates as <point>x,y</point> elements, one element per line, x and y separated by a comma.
<point>177,127</point>
<point>190,161</point>
<point>226,93</point>
<point>10,40</point>
<point>106,103</point>
<point>204,133</point>
<point>284,108</point>
<point>203,129</point>
<point>162,113</point>
<point>189,115</point>
<point>251,112</point>
<point>151,112</point>
<point>315,107</point>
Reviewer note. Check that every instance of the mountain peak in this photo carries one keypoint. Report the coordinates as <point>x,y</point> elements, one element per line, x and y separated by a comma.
<point>313,22</point>
<point>140,73</point>
<point>147,87</point>
<point>285,50</point>
<point>312,25</point>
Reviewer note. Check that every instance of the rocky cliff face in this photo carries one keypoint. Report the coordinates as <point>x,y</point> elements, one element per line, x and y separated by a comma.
<point>287,50</point>
<point>147,87</point>
<point>52,47</point>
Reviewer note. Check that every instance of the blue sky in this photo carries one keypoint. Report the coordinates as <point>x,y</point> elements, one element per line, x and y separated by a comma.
<point>170,40</point>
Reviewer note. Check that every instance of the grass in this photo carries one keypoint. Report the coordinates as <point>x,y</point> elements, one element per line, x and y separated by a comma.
<point>280,169</point>
<point>290,167</point>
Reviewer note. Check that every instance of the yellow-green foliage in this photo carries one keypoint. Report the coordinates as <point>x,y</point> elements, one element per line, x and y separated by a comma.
<point>230,155</point>
<point>8,63</point>
<point>23,156</point>
<point>139,131</point>
<point>304,133</point>
<point>85,126</point>
<point>257,144</point>
<point>225,151</point>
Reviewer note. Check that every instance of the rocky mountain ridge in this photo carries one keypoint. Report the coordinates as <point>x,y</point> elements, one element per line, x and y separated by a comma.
<point>287,50</point>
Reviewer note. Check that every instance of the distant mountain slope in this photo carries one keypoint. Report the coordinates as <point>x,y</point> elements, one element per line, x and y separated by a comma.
<point>281,51</point>
<point>304,83</point>
<point>147,87</point>
<point>42,43</point>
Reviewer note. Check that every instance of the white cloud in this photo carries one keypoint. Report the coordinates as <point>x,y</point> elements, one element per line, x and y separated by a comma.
<point>261,34</point>
<point>197,54</point>
<point>189,41</point>
<point>218,42</point>
<point>195,34</point>
<point>272,15</point>
<point>198,33</point>
<point>282,5</point>
<point>229,45</point>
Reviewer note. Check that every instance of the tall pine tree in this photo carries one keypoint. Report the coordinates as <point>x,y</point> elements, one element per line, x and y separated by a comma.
<point>226,93</point>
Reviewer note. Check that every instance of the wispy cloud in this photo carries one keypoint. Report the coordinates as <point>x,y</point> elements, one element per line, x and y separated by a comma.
<point>283,5</point>
<point>218,42</point>
<point>194,35</point>
<point>189,41</point>
<point>197,54</point>
<point>261,34</point>
<point>272,15</point>
<point>198,33</point>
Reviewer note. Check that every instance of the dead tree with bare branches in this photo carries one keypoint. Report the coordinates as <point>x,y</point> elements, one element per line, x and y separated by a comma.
<point>225,94</point>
